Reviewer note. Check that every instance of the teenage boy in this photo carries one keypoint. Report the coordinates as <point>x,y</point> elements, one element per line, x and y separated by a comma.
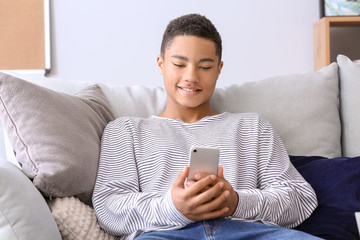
<point>140,189</point>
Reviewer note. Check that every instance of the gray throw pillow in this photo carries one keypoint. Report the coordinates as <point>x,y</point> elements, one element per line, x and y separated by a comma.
<point>56,137</point>
<point>24,213</point>
<point>303,109</point>
<point>350,102</point>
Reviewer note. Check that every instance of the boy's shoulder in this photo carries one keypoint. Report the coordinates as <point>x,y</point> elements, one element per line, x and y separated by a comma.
<point>243,116</point>
<point>126,119</point>
<point>247,118</point>
<point>131,121</point>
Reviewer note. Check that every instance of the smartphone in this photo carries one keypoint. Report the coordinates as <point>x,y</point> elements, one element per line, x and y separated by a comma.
<point>204,160</point>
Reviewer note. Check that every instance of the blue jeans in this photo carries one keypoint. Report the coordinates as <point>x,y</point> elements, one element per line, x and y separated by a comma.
<point>224,228</point>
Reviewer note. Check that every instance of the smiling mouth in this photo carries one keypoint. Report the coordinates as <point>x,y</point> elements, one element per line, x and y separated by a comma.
<point>190,89</point>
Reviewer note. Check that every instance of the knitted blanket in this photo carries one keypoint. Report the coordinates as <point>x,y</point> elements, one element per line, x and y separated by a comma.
<point>76,220</point>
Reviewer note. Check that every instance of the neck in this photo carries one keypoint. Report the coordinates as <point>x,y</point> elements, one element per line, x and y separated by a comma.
<point>188,115</point>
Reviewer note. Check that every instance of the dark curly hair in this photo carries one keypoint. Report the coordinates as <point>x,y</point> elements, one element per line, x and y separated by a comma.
<point>191,25</point>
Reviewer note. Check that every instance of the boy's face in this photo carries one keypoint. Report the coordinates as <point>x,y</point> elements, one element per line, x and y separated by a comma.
<point>190,68</point>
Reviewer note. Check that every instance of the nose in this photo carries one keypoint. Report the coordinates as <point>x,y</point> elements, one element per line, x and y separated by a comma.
<point>191,75</point>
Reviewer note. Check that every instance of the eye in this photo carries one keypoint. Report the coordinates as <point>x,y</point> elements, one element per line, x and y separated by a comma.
<point>205,68</point>
<point>178,65</point>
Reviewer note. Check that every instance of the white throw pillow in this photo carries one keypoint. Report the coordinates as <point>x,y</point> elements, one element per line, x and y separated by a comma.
<point>24,213</point>
<point>350,102</point>
<point>303,108</point>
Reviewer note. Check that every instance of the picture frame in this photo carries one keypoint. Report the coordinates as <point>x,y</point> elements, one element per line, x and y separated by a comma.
<point>332,8</point>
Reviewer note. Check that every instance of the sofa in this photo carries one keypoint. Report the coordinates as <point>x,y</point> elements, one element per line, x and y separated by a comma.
<point>51,133</point>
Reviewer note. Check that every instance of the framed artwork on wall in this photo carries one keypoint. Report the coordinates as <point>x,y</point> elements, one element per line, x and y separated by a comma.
<point>25,35</point>
<point>330,8</point>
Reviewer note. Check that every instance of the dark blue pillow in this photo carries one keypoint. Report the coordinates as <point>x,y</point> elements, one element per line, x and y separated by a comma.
<point>337,185</point>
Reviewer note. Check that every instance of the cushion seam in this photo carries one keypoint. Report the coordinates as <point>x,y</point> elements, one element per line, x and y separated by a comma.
<point>17,133</point>
<point>2,213</point>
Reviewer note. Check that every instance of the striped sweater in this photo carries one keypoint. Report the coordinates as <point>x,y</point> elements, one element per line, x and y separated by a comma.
<point>141,157</point>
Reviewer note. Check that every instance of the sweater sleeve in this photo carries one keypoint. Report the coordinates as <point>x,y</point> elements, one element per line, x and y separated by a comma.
<point>120,205</point>
<point>282,196</point>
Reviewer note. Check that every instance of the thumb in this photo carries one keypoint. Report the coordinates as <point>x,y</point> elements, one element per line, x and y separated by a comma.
<point>180,180</point>
<point>220,172</point>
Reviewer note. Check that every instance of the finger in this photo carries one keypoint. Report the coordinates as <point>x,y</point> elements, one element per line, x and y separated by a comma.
<point>198,186</point>
<point>205,189</point>
<point>189,183</point>
<point>211,194</point>
<point>220,172</point>
<point>180,180</point>
<point>214,204</point>
<point>212,214</point>
<point>200,175</point>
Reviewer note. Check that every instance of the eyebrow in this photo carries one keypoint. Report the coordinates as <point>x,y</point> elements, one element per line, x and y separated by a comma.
<point>187,60</point>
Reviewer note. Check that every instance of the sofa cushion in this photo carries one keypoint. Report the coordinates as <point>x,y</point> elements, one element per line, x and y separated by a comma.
<point>303,108</point>
<point>135,101</point>
<point>56,136</point>
<point>24,213</point>
<point>350,102</point>
<point>336,184</point>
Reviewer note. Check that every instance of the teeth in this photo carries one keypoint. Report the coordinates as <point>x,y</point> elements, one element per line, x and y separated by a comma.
<point>189,90</point>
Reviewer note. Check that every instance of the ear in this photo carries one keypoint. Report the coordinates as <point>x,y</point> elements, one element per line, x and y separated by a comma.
<point>160,63</point>
<point>220,67</point>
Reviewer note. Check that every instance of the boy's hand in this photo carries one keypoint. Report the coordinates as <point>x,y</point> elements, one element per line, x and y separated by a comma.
<point>196,203</point>
<point>232,200</point>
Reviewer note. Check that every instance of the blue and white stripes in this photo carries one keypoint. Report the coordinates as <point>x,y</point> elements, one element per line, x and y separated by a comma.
<point>141,157</point>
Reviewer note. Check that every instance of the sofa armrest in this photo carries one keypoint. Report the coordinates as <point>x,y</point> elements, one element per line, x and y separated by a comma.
<point>24,213</point>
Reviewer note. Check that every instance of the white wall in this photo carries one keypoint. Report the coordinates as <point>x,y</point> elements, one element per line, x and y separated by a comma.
<point>116,41</point>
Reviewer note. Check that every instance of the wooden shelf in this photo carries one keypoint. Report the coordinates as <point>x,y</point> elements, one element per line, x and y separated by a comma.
<point>322,37</point>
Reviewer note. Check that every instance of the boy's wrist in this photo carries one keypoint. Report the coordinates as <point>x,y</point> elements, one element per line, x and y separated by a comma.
<point>176,216</point>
